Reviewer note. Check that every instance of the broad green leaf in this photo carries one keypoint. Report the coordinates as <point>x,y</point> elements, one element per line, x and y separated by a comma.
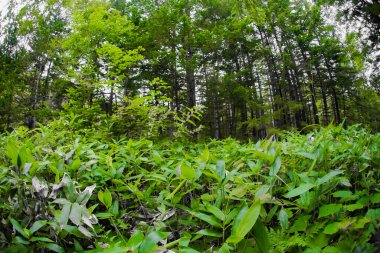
<point>54,247</point>
<point>84,231</point>
<point>207,218</point>
<point>329,209</point>
<point>84,196</point>
<point>374,214</point>
<point>150,242</point>
<point>188,250</point>
<point>74,166</point>
<point>40,239</point>
<point>328,177</point>
<point>375,198</point>
<point>344,195</point>
<point>205,155</point>
<point>65,214</point>
<point>20,240</point>
<point>231,215</point>
<point>185,240</point>
<point>312,250</point>
<point>18,228</point>
<point>332,228</point>
<point>75,214</point>
<point>221,169</point>
<point>104,215</point>
<point>275,166</point>
<point>261,236</point>
<point>283,218</point>
<point>224,249</point>
<point>187,172</point>
<point>37,225</point>
<point>359,224</point>
<point>319,240</point>
<point>344,224</point>
<point>353,207</point>
<point>135,240</point>
<point>331,249</point>
<point>12,152</point>
<point>299,190</point>
<point>308,155</point>
<point>215,211</point>
<point>209,232</point>
<point>105,197</point>
<point>244,222</point>
<point>300,224</point>
<point>69,188</point>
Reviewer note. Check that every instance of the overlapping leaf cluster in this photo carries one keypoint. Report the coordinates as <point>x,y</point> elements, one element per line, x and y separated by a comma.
<point>64,192</point>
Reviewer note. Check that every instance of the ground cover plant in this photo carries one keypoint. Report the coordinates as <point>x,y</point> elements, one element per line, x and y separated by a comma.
<point>68,190</point>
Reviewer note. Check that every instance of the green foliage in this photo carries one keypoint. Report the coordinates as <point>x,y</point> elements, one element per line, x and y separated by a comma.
<point>63,190</point>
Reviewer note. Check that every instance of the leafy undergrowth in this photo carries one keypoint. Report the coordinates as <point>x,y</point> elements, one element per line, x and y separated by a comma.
<point>65,191</point>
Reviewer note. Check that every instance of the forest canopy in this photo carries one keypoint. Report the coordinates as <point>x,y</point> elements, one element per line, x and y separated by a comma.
<point>189,126</point>
<point>244,69</point>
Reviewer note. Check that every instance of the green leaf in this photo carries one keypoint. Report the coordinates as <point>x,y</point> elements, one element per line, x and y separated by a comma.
<point>205,155</point>
<point>299,190</point>
<point>329,209</point>
<point>104,215</point>
<point>76,214</point>
<point>328,177</point>
<point>361,223</point>
<point>12,152</point>
<point>18,228</point>
<point>331,228</point>
<point>40,239</point>
<point>275,166</point>
<point>344,195</point>
<point>65,214</point>
<point>135,240</point>
<point>84,231</point>
<point>244,222</point>
<point>331,249</point>
<point>261,236</point>
<point>300,224</point>
<point>54,247</point>
<point>375,198</point>
<point>149,244</point>
<point>188,250</point>
<point>105,197</point>
<point>85,195</point>
<point>187,172</point>
<point>20,240</point>
<point>221,169</point>
<point>353,207</point>
<point>224,249</point>
<point>37,225</point>
<point>171,195</point>
<point>74,166</point>
<point>374,214</point>
<point>283,218</point>
<point>215,211</point>
<point>207,218</point>
<point>209,232</point>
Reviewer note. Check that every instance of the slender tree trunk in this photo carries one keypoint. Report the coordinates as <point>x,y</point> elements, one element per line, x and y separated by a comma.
<point>273,78</point>
<point>310,86</point>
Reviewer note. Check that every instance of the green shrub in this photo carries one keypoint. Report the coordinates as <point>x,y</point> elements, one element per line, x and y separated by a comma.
<point>63,190</point>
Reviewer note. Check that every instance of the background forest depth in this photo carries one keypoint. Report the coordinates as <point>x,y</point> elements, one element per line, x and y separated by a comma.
<point>144,68</point>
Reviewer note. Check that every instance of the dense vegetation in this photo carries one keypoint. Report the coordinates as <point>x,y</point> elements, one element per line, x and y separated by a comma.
<point>190,126</point>
<point>65,191</point>
<point>253,66</point>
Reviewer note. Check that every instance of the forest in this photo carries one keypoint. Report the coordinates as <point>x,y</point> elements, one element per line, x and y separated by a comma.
<point>190,126</point>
